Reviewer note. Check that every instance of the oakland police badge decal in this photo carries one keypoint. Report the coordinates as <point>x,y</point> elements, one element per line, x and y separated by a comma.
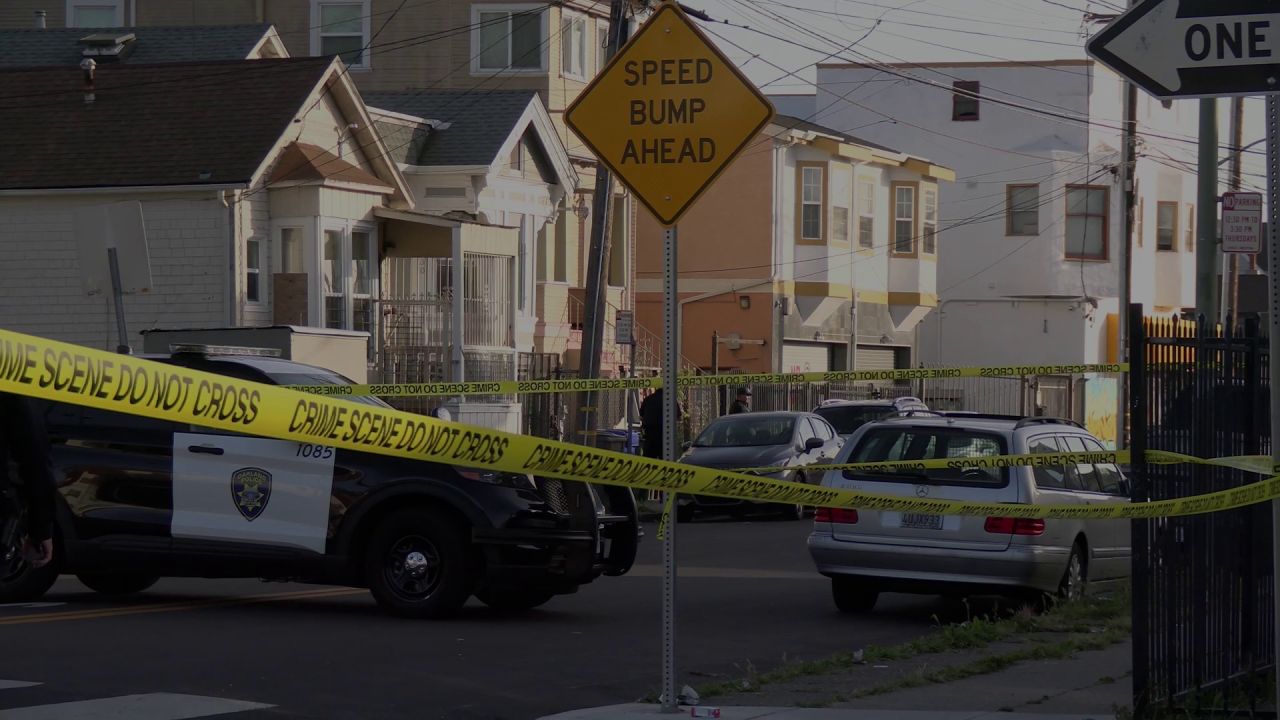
<point>250,490</point>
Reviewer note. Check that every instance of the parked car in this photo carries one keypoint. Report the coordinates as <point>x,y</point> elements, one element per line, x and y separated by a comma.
<point>846,416</point>
<point>866,553</point>
<point>794,441</point>
<point>143,499</point>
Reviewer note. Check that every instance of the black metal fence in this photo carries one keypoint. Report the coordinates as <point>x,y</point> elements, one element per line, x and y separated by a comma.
<point>1203,629</point>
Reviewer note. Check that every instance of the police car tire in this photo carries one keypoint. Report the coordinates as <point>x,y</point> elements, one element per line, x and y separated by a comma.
<point>31,585</point>
<point>447,539</point>
<point>117,583</point>
<point>513,599</point>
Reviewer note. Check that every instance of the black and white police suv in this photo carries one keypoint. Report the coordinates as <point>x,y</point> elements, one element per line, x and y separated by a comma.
<point>143,499</point>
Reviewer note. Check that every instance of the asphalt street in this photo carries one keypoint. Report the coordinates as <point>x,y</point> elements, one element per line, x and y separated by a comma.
<point>747,595</point>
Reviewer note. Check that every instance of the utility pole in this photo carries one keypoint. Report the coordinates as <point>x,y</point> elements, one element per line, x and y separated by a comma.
<point>596,297</point>
<point>1207,184</point>
<point>1231,267</point>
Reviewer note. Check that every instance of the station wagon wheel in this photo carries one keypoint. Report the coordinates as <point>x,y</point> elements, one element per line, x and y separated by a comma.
<point>416,564</point>
<point>1074,577</point>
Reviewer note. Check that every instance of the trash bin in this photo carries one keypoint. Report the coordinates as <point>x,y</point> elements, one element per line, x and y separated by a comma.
<point>618,440</point>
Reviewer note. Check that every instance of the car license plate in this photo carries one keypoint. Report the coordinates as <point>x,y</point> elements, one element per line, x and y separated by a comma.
<point>920,521</point>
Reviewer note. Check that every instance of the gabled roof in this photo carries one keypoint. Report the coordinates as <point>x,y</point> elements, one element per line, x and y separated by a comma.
<point>305,163</point>
<point>796,123</point>
<point>28,47</point>
<point>210,123</point>
<point>473,126</point>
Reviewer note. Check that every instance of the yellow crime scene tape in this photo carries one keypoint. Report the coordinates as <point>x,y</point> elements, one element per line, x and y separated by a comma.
<point>1260,464</point>
<point>73,374</point>
<point>529,387</point>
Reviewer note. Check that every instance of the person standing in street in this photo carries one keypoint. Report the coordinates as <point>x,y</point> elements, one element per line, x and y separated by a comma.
<point>743,403</point>
<point>651,424</point>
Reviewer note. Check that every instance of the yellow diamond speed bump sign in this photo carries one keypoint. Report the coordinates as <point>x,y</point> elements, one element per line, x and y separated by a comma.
<point>668,113</point>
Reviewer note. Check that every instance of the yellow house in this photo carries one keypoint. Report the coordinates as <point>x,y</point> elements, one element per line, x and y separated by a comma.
<point>812,243</point>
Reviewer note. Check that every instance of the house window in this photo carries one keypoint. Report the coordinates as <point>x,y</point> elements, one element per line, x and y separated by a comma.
<point>602,44</point>
<point>1191,228</point>
<point>560,264</point>
<point>573,46</point>
<point>253,270</point>
<point>341,28</point>
<point>964,100</point>
<point>347,259</point>
<point>904,219</point>
<point>866,213</point>
<point>813,193</point>
<point>507,38</point>
<point>929,228</point>
<point>1022,211</point>
<point>1087,219</point>
<point>291,250</point>
<point>95,13</point>
<point>840,225</point>
<point>1167,226</point>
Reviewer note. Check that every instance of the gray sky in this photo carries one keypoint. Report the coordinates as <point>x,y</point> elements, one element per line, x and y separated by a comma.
<point>796,34</point>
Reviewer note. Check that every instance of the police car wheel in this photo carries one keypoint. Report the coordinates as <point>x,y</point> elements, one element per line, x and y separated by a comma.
<point>116,583</point>
<point>416,564</point>
<point>19,582</point>
<point>513,599</point>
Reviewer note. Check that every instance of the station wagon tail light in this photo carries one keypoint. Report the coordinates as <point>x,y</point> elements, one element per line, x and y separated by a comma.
<point>844,516</point>
<point>1015,526</point>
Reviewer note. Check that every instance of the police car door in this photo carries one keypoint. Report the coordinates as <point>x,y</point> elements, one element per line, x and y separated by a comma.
<point>234,488</point>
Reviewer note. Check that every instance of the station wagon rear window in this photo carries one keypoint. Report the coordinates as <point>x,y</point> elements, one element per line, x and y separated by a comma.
<point>892,443</point>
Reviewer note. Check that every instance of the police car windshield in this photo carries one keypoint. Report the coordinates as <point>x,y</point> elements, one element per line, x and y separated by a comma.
<point>848,418</point>
<point>318,377</point>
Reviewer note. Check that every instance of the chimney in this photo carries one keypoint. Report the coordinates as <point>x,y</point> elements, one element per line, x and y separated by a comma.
<point>88,65</point>
<point>40,17</point>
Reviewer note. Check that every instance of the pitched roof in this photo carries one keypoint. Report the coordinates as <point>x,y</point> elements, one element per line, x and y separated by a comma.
<point>168,124</point>
<point>478,122</point>
<point>796,123</point>
<point>27,47</point>
<point>302,162</point>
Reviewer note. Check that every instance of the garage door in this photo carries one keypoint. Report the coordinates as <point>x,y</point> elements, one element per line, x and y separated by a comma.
<point>875,358</point>
<point>806,357</point>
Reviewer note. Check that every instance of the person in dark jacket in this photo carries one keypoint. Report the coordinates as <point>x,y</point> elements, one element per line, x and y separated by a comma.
<point>24,442</point>
<point>651,423</point>
<point>743,403</point>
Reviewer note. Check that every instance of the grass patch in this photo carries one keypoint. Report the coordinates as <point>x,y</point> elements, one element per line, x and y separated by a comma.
<point>1093,623</point>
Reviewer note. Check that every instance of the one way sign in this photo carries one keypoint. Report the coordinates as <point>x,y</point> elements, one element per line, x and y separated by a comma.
<point>1195,48</point>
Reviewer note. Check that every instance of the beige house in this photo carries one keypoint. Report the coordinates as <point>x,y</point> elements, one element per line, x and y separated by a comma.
<point>833,247</point>
<point>290,220</point>
<point>452,45</point>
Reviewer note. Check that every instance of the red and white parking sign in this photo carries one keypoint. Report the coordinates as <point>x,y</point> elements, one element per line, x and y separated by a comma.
<point>1242,223</point>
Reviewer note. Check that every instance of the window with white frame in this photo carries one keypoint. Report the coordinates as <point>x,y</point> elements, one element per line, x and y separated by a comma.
<point>1022,210</point>
<point>866,213</point>
<point>904,219</point>
<point>348,256</point>
<point>929,224</point>
<point>573,46</point>
<point>253,270</point>
<point>508,38</point>
<point>602,44</point>
<point>341,27</point>
<point>95,13</point>
<point>840,225</point>
<point>291,250</point>
<point>813,192</point>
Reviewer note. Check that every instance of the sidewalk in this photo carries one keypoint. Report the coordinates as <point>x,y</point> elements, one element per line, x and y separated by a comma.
<point>1089,685</point>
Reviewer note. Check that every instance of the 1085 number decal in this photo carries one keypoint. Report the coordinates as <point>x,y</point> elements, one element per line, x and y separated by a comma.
<point>319,452</point>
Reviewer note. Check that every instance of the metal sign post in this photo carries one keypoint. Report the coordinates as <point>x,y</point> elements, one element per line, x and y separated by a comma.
<point>1273,269</point>
<point>667,115</point>
<point>670,451</point>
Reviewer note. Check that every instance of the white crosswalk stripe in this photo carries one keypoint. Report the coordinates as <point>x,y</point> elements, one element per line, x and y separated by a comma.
<point>149,706</point>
